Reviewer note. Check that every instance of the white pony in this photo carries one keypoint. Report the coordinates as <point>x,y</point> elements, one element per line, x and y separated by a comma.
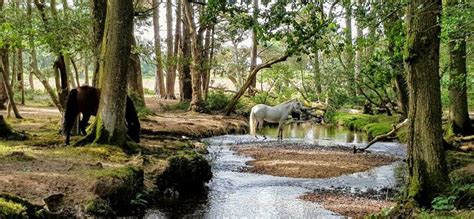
<point>272,114</point>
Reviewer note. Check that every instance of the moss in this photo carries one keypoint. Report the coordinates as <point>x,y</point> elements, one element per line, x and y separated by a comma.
<point>185,172</point>
<point>99,207</point>
<point>9,209</point>
<point>14,206</point>
<point>373,125</point>
<point>117,187</point>
<point>461,176</point>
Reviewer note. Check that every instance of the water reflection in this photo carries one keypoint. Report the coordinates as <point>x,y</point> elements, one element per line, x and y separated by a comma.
<point>318,134</point>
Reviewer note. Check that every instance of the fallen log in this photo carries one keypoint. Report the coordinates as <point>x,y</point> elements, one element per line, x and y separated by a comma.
<point>382,137</point>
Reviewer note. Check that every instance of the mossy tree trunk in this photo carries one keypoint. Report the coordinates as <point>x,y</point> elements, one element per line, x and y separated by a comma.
<point>135,82</point>
<point>426,157</point>
<point>196,101</point>
<point>109,127</point>
<point>5,129</point>
<point>159,76</point>
<point>459,115</point>
<point>99,11</point>
<point>185,75</point>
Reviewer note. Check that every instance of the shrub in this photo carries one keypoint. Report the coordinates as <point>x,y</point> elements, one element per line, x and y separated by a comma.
<point>217,100</point>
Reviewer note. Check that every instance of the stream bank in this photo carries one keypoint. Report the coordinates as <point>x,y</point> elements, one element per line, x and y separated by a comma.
<point>41,177</point>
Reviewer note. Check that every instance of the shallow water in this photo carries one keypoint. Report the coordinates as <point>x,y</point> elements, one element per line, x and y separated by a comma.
<point>237,194</point>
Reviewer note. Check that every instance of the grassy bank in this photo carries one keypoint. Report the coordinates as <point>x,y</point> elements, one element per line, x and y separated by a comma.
<point>373,125</point>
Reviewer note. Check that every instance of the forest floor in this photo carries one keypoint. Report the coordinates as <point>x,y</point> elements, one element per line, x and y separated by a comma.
<point>81,179</point>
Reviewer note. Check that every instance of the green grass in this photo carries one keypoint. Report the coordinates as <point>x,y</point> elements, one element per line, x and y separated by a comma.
<point>9,209</point>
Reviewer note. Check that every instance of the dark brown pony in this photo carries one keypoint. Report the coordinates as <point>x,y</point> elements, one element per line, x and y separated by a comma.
<point>85,100</point>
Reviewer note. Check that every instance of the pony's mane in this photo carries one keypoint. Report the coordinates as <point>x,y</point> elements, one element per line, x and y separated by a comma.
<point>288,101</point>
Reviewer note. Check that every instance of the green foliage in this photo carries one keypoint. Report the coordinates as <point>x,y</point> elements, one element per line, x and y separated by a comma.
<point>217,100</point>
<point>458,197</point>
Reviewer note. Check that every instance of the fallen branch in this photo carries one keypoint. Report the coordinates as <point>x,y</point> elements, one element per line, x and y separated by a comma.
<point>464,138</point>
<point>382,137</point>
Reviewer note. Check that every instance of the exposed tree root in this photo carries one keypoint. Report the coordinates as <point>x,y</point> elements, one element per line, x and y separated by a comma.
<point>382,137</point>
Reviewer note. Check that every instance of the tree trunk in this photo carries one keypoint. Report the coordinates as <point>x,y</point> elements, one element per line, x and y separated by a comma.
<point>230,107</point>
<point>358,53</point>
<point>135,83</point>
<point>34,64</point>
<point>4,68</point>
<point>205,62</point>
<point>253,53</point>
<point>209,65</point>
<point>196,101</point>
<point>109,127</point>
<point>5,130</point>
<point>21,82</point>
<point>317,73</point>
<point>170,59</point>
<point>60,65</point>
<point>349,54</point>
<point>177,41</point>
<point>99,11</point>
<point>459,115</point>
<point>86,71</point>
<point>426,157</point>
<point>159,79</point>
<point>76,72</point>
<point>185,76</point>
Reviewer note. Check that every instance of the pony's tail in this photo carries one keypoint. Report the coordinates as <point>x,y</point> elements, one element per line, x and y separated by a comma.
<point>70,112</point>
<point>253,124</point>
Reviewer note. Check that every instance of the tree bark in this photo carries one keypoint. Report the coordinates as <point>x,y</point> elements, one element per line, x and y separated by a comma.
<point>317,73</point>
<point>135,82</point>
<point>115,56</point>
<point>349,54</point>
<point>230,107</point>
<point>253,52</point>
<point>459,115</point>
<point>196,101</point>
<point>4,68</point>
<point>86,71</point>
<point>185,76</point>
<point>206,83</point>
<point>99,11</point>
<point>159,79</point>
<point>358,52</point>
<point>205,62</point>
<point>426,157</point>
<point>20,73</point>
<point>170,59</point>
<point>177,41</point>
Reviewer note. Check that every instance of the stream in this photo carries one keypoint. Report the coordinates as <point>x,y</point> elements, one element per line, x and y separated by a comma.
<point>236,194</point>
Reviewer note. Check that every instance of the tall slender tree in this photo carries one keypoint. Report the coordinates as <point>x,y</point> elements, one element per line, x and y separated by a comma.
<point>159,75</point>
<point>185,69</point>
<point>426,157</point>
<point>459,115</point>
<point>170,59</point>
<point>253,52</point>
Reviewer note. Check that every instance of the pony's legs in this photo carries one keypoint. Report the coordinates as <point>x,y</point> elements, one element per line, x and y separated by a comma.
<point>83,124</point>
<point>260,127</point>
<point>280,131</point>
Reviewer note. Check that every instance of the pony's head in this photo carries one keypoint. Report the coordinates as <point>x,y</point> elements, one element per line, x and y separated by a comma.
<point>297,106</point>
